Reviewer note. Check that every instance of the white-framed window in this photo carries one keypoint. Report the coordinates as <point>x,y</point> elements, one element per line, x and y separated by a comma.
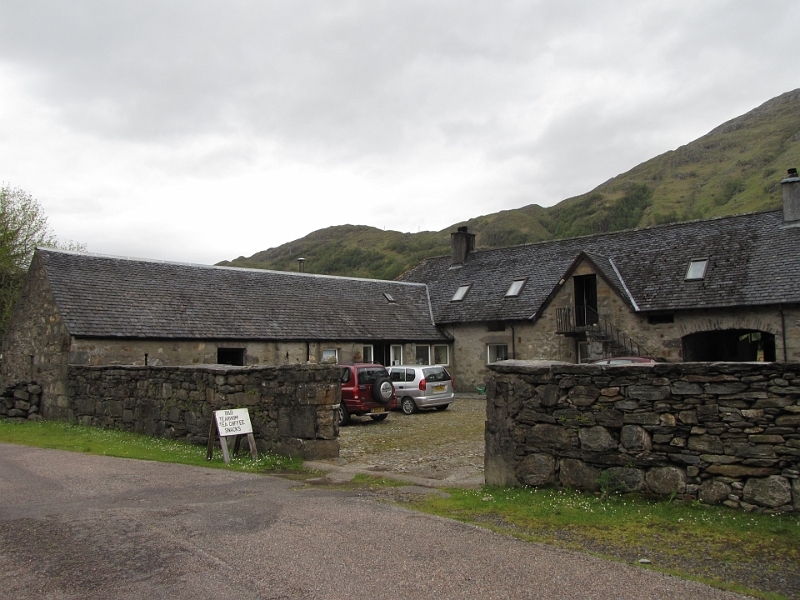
<point>366,354</point>
<point>460,293</point>
<point>330,355</point>
<point>422,355</point>
<point>441,354</point>
<point>497,352</point>
<point>697,268</point>
<point>515,288</point>
<point>396,354</point>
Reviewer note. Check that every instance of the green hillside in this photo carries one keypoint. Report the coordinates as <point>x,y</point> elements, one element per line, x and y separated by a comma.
<point>735,168</point>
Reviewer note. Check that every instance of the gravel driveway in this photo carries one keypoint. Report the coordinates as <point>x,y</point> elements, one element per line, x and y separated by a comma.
<point>76,526</point>
<point>443,445</point>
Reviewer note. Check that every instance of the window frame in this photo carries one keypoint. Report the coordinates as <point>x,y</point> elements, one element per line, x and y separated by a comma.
<point>519,284</point>
<point>392,354</point>
<point>417,348</point>
<point>364,350</point>
<point>335,356</point>
<point>489,347</point>
<point>446,353</point>
<point>461,293</point>
<point>692,263</point>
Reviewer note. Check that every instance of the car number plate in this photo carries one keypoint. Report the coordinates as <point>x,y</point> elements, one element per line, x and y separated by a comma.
<point>378,410</point>
<point>439,388</point>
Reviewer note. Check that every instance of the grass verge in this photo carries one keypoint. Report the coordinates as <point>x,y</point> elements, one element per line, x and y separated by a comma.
<point>756,554</point>
<point>106,442</point>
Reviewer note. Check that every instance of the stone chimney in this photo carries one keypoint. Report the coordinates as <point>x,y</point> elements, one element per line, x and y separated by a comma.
<point>461,244</point>
<point>790,187</point>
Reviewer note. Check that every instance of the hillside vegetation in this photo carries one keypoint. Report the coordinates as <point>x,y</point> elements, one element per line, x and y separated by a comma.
<point>735,168</point>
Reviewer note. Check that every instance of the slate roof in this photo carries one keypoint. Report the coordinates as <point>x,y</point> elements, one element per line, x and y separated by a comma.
<point>753,260</point>
<point>112,297</point>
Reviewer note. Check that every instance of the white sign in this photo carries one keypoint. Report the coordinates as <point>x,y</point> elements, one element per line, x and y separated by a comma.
<point>235,421</point>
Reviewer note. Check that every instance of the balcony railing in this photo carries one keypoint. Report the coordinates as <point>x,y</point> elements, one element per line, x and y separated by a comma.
<point>584,319</point>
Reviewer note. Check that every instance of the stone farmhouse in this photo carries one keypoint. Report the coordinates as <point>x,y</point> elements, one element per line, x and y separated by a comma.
<point>86,309</point>
<point>725,289</point>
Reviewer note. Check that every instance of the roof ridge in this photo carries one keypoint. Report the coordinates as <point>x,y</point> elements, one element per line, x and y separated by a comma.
<point>612,233</point>
<point>202,266</point>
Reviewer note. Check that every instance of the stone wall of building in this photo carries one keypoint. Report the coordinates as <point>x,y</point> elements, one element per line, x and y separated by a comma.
<point>718,432</point>
<point>292,408</point>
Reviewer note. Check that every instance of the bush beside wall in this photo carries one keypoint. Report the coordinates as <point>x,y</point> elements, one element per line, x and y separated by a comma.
<point>719,432</point>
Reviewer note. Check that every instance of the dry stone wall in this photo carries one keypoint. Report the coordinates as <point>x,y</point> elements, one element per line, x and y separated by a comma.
<point>724,433</point>
<point>292,408</point>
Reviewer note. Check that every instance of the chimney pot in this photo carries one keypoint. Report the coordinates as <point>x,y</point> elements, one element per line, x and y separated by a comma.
<point>790,189</point>
<point>461,244</point>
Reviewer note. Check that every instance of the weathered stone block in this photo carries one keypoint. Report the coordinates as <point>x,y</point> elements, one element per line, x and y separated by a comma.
<point>596,439</point>
<point>765,439</point>
<point>666,480</point>
<point>713,491</point>
<point>788,421</point>
<point>689,417</point>
<point>708,412</point>
<point>684,388</point>
<point>649,392</point>
<point>537,469</point>
<point>730,387</point>
<point>609,418</point>
<point>549,436</point>
<point>584,395</point>
<point>625,479</point>
<point>709,444</point>
<point>574,473</point>
<point>741,471</point>
<point>547,395</point>
<point>635,438</point>
<point>771,492</point>
<point>646,418</point>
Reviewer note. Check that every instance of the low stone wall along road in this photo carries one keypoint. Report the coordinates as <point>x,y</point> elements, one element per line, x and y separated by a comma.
<point>82,527</point>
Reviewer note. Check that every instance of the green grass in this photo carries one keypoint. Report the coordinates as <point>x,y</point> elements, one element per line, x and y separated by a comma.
<point>723,547</point>
<point>106,442</point>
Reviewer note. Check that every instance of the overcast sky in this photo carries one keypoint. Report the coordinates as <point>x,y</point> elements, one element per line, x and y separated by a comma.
<point>201,131</point>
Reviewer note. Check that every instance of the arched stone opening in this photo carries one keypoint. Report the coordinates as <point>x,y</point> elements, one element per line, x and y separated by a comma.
<point>729,345</point>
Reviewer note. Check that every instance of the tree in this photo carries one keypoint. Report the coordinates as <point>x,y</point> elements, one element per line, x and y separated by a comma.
<point>23,228</point>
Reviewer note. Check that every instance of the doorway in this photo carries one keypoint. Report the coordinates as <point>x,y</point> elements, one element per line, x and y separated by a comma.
<point>585,300</point>
<point>729,345</point>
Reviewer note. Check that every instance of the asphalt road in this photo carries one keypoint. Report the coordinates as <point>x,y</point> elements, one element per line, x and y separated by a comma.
<point>92,527</point>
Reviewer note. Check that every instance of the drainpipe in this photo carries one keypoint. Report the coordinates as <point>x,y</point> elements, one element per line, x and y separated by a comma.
<point>513,342</point>
<point>783,333</point>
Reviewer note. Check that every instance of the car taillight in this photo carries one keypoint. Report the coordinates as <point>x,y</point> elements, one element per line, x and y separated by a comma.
<point>453,383</point>
<point>422,385</point>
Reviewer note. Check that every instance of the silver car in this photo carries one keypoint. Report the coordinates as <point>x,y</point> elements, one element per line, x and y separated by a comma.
<point>422,386</point>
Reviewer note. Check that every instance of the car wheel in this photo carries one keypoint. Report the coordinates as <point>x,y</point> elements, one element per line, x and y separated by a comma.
<point>379,417</point>
<point>344,416</point>
<point>442,407</point>
<point>382,390</point>
<point>408,406</point>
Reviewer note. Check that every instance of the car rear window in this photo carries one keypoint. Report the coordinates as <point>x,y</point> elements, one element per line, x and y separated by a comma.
<point>370,375</point>
<point>344,375</point>
<point>436,374</point>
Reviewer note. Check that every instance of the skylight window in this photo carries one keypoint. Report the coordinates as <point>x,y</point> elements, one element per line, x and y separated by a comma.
<point>388,296</point>
<point>516,288</point>
<point>460,293</point>
<point>697,269</point>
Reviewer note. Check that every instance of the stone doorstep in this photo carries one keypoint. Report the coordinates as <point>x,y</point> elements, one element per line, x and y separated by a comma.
<point>344,473</point>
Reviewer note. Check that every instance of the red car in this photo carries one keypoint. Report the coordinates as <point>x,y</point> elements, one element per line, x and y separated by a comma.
<point>366,390</point>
